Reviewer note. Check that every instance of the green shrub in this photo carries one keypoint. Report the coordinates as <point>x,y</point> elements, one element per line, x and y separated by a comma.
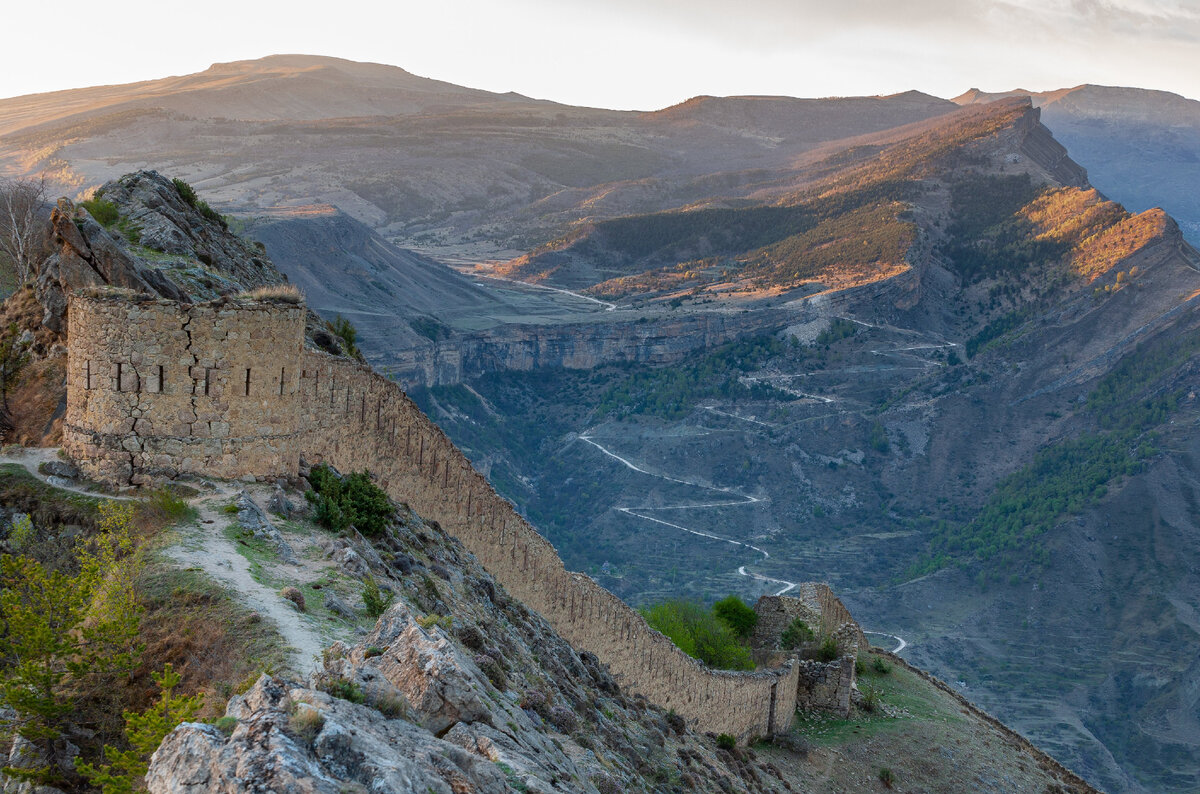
<point>105,212</point>
<point>796,634</point>
<point>726,742</point>
<point>345,689</point>
<point>376,600</point>
<point>870,698</point>
<point>344,330</point>
<point>887,777</point>
<point>699,634</point>
<point>734,613</point>
<point>340,502</point>
<point>880,666</point>
<point>145,733</point>
<point>22,534</point>
<point>188,194</point>
<point>226,725</point>
<point>828,650</point>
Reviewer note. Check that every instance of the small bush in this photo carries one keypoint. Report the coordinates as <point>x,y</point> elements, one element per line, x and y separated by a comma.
<point>605,784</point>
<point>230,509</point>
<point>375,600</point>
<point>22,533</point>
<point>345,331</point>
<point>860,666</point>
<point>563,719</point>
<point>226,725</point>
<point>871,699</point>
<point>105,212</point>
<point>389,703</point>
<point>434,619</point>
<point>887,777</point>
<point>675,722</point>
<point>880,666</point>
<point>796,634</point>
<point>340,502</point>
<point>828,650</point>
<point>726,742</point>
<point>294,595</point>
<point>306,723</point>
<point>345,689</point>
<point>494,671</point>
<point>188,194</point>
<point>373,651</point>
<point>740,618</point>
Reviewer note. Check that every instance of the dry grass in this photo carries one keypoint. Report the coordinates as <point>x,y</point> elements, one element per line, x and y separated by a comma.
<point>306,723</point>
<point>278,293</point>
<point>213,642</point>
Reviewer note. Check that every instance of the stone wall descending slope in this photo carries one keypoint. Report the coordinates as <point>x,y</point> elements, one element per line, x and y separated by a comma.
<point>359,420</point>
<point>157,389</point>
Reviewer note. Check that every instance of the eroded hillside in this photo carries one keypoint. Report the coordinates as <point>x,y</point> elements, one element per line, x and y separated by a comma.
<point>973,450</point>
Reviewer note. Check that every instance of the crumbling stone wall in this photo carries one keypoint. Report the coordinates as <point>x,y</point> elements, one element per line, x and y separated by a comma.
<point>157,388</point>
<point>821,610</point>
<point>359,420</point>
<point>820,685</point>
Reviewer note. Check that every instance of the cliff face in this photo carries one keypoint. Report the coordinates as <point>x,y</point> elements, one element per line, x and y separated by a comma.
<point>659,341</point>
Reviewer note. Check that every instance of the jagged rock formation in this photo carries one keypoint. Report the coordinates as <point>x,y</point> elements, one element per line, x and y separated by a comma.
<point>459,687</point>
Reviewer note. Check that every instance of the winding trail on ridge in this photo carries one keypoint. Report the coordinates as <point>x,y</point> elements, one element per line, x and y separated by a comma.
<point>741,499</point>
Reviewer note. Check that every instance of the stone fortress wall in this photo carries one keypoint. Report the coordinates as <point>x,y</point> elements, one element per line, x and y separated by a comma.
<point>156,388</point>
<point>126,425</point>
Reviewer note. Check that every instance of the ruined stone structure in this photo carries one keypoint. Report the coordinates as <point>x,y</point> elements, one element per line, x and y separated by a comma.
<point>821,685</point>
<point>158,389</point>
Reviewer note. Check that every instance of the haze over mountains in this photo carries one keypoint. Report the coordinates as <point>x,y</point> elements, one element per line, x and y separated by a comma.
<point>944,334</point>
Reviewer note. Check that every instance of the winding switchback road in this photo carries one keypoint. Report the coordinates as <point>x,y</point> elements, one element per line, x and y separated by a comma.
<point>739,499</point>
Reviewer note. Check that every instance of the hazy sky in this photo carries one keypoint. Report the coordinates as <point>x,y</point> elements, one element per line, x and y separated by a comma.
<point>628,53</point>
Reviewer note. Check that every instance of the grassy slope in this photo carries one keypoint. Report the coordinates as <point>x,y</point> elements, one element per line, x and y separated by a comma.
<point>930,739</point>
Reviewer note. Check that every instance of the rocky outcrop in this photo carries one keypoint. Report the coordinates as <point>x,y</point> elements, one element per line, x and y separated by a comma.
<point>289,738</point>
<point>658,341</point>
<point>182,252</point>
<point>88,256</point>
<point>168,222</point>
<point>478,694</point>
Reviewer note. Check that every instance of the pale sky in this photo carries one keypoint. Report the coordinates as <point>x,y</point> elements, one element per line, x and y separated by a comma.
<point>628,54</point>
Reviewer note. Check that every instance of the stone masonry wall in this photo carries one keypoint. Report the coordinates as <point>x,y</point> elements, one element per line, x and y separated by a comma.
<point>359,420</point>
<point>821,685</point>
<point>156,388</point>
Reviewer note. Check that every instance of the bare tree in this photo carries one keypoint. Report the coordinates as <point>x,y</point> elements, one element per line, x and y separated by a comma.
<point>21,202</point>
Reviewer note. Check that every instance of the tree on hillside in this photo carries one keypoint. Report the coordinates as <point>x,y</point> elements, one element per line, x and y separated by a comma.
<point>21,202</point>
